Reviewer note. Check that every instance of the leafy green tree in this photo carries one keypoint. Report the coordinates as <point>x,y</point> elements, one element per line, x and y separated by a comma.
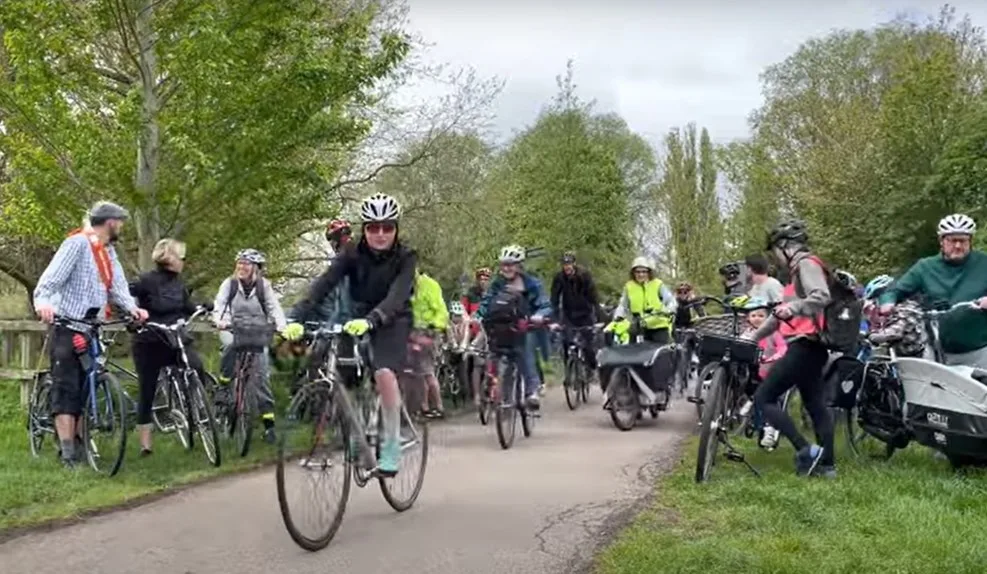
<point>232,111</point>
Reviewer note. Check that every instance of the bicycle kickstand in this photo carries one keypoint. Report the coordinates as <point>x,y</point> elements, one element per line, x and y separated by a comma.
<point>737,456</point>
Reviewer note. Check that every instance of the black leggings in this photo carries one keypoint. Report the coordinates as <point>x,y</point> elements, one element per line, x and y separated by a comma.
<point>149,358</point>
<point>801,367</point>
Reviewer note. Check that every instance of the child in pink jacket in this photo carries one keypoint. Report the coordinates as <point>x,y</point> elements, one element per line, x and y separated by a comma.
<point>773,348</point>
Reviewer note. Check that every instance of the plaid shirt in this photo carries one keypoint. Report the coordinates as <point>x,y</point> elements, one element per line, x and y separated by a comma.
<point>72,284</point>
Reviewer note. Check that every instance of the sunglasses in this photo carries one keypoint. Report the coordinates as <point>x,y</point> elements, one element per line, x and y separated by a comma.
<point>380,228</point>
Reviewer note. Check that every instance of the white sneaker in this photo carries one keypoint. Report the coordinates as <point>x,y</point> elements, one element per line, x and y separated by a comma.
<point>769,439</point>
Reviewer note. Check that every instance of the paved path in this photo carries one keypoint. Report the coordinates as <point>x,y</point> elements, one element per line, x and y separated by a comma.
<point>540,507</point>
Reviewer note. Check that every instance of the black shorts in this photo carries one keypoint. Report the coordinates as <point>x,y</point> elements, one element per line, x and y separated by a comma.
<point>66,374</point>
<point>389,346</point>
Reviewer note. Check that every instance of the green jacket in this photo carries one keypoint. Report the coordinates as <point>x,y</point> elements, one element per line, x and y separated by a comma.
<point>939,282</point>
<point>428,306</point>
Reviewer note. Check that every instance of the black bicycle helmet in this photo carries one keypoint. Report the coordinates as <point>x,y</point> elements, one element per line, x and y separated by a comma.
<point>568,257</point>
<point>730,270</point>
<point>788,230</point>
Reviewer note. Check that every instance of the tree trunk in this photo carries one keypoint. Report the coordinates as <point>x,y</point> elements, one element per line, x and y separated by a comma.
<point>148,145</point>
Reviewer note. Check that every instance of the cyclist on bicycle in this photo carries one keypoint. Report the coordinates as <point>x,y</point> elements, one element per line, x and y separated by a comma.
<point>956,274</point>
<point>645,297</point>
<point>381,271</point>
<point>733,282</point>
<point>514,297</point>
<point>575,303</point>
<point>460,334</point>
<point>797,319</point>
<point>84,274</point>
<point>247,301</point>
<point>430,319</point>
<point>689,306</point>
<point>474,296</point>
<point>166,298</point>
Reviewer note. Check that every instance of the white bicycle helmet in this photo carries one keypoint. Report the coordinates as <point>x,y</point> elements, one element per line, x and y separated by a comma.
<point>456,309</point>
<point>379,207</point>
<point>642,261</point>
<point>512,254</point>
<point>956,224</point>
<point>251,255</point>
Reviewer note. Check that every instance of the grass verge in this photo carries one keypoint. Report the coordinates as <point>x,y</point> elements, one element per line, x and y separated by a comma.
<point>911,514</point>
<point>38,490</point>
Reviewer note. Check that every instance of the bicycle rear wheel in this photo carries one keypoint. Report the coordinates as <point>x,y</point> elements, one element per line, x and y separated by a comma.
<point>39,420</point>
<point>201,418</point>
<point>312,446</point>
<point>401,491</point>
<point>713,415</point>
<point>104,430</point>
<point>179,410</point>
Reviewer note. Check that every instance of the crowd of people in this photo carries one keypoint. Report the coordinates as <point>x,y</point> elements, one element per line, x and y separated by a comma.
<point>373,287</point>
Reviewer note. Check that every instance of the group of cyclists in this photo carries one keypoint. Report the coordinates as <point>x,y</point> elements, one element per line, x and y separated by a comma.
<point>373,287</point>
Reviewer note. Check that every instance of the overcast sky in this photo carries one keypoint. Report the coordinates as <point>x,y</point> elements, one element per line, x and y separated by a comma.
<point>658,63</point>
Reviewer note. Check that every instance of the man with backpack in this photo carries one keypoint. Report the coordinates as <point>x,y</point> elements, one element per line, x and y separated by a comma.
<point>247,300</point>
<point>801,320</point>
<point>514,299</point>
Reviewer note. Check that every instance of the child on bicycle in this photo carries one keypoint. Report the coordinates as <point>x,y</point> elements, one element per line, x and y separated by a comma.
<point>773,348</point>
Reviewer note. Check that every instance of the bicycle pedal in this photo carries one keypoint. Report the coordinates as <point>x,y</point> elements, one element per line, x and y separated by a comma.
<point>695,400</point>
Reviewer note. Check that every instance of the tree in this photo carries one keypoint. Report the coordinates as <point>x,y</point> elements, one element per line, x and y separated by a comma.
<point>687,197</point>
<point>233,111</point>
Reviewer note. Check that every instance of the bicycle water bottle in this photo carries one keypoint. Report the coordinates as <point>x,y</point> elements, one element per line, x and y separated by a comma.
<point>81,347</point>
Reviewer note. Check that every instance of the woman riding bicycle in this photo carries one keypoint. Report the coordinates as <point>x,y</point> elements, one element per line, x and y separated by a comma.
<point>646,298</point>
<point>166,298</point>
<point>381,272</point>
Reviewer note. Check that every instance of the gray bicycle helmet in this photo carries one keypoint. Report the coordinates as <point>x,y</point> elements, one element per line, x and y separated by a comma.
<point>788,230</point>
<point>252,256</point>
<point>103,211</point>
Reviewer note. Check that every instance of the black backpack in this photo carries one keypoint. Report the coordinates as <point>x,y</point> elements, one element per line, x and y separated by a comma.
<point>841,317</point>
<point>504,312</point>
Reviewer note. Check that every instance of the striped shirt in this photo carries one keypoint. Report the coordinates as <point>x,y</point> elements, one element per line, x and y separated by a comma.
<point>71,282</point>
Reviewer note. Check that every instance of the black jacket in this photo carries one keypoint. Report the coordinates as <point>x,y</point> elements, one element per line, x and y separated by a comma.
<point>574,298</point>
<point>380,283</point>
<point>165,297</point>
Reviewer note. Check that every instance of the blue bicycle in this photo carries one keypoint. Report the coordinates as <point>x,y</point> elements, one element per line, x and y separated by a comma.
<point>102,426</point>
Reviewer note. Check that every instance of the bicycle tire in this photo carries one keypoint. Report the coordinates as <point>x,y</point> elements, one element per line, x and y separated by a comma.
<point>705,372</point>
<point>161,406</point>
<point>244,410</point>
<point>619,378</point>
<point>571,383</point>
<point>584,375</point>
<point>180,413</point>
<point>201,418</point>
<point>385,483</point>
<point>39,420</point>
<point>113,416</point>
<point>708,436</point>
<point>506,418</point>
<point>327,420</point>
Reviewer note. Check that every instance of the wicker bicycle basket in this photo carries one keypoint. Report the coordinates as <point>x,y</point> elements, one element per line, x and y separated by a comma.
<point>714,325</point>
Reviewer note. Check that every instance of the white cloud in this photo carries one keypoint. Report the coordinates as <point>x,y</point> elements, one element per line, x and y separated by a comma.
<point>658,63</point>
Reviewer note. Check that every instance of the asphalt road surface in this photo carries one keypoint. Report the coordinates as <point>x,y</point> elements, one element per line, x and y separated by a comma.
<point>545,506</point>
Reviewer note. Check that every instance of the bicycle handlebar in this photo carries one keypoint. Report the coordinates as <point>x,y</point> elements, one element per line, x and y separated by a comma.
<point>933,313</point>
<point>93,323</point>
<point>177,325</point>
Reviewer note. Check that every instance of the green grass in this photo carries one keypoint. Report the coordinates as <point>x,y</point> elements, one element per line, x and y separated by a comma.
<point>37,490</point>
<point>911,514</point>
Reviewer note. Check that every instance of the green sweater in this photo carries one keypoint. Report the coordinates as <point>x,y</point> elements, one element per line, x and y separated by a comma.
<point>939,282</point>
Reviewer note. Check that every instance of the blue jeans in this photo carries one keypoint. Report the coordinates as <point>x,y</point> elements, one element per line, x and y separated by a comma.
<point>529,364</point>
<point>542,343</point>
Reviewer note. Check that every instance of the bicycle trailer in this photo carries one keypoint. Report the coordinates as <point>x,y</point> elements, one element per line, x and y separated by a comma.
<point>946,408</point>
<point>650,365</point>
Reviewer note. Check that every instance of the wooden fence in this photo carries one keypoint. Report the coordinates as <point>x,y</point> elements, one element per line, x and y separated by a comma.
<point>23,351</point>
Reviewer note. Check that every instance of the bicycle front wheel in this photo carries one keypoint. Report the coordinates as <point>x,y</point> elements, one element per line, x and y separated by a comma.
<point>104,428</point>
<point>506,418</point>
<point>571,383</point>
<point>201,418</point>
<point>314,472</point>
<point>713,417</point>
<point>401,491</point>
<point>245,406</point>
